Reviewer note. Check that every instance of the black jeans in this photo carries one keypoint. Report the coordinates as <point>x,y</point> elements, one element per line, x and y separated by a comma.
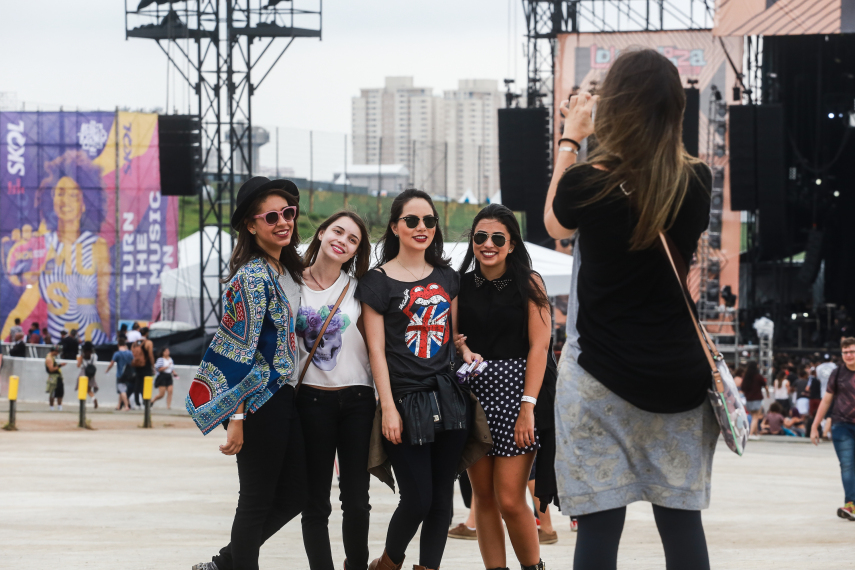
<point>140,372</point>
<point>425,476</point>
<point>337,420</point>
<point>272,470</point>
<point>681,531</point>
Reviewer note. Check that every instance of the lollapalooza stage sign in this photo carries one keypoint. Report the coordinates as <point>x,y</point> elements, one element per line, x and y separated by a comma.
<point>78,252</point>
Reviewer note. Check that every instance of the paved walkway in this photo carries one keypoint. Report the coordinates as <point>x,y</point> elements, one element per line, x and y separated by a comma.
<point>123,497</point>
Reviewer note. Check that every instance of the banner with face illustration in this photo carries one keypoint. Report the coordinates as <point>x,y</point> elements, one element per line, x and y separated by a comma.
<point>84,230</point>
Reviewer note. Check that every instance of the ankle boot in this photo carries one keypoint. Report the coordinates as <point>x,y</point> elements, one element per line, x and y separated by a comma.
<point>538,566</point>
<point>498,569</point>
<point>385,563</point>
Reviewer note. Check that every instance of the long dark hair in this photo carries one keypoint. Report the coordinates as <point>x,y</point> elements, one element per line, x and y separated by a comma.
<point>751,374</point>
<point>246,248</point>
<point>356,265</point>
<point>639,140</point>
<point>389,246</point>
<point>518,260</point>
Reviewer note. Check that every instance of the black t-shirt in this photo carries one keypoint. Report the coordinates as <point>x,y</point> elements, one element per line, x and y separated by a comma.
<point>70,348</point>
<point>635,333</point>
<point>492,316</point>
<point>417,320</point>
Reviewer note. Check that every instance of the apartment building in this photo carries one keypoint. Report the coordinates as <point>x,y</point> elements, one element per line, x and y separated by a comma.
<point>402,124</point>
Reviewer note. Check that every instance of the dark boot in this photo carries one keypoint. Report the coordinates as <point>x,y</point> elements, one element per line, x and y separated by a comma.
<point>538,566</point>
<point>385,563</point>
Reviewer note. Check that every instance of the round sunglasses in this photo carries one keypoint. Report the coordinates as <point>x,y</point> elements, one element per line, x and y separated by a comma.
<point>498,239</point>
<point>287,214</point>
<point>413,221</point>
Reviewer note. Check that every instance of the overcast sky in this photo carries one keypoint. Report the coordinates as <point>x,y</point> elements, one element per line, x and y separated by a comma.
<point>56,52</point>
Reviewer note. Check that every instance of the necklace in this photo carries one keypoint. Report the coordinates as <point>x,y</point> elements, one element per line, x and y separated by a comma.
<point>318,283</point>
<point>410,272</point>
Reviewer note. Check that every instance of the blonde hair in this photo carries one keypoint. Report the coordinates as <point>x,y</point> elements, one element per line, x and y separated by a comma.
<point>638,128</point>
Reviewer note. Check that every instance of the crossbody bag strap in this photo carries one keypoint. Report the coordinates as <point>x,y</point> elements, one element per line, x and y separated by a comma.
<point>321,335</point>
<point>702,334</point>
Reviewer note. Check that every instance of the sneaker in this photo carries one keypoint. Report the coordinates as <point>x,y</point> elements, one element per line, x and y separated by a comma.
<point>51,408</point>
<point>59,408</point>
<point>205,566</point>
<point>574,525</point>
<point>547,537</point>
<point>847,511</point>
<point>463,532</point>
<point>753,437</point>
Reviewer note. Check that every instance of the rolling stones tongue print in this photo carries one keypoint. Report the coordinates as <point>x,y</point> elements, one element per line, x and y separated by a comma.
<point>428,308</point>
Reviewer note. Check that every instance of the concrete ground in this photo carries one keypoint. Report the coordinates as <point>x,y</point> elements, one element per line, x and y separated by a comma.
<point>119,496</point>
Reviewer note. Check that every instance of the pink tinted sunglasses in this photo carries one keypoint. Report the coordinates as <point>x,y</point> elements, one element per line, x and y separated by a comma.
<point>272,217</point>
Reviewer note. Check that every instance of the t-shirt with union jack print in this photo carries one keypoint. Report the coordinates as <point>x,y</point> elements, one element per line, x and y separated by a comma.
<point>417,320</point>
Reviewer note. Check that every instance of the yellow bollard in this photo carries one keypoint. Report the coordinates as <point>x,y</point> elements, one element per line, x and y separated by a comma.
<point>148,385</point>
<point>82,392</point>
<point>13,402</point>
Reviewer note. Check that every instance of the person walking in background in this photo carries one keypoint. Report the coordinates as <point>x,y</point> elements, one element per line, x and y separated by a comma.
<point>841,393</point>
<point>122,358</point>
<point>46,338</point>
<point>504,321</point>
<point>409,305</point>
<point>336,400</point>
<point>632,417</point>
<point>15,330</point>
<point>164,368</point>
<point>143,351</point>
<point>781,391</point>
<point>70,345</point>
<point>246,379</point>
<point>134,334</point>
<point>801,394</point>
<point>752,388</point>
<point>86,367</point>
<point>465,530</point>
<point>55,386</point>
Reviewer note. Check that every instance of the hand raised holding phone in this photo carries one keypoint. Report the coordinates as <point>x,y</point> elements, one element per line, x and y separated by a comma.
<point>578,115</point>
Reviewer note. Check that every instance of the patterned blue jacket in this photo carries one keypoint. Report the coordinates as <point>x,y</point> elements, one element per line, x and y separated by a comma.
<point>253,353</point>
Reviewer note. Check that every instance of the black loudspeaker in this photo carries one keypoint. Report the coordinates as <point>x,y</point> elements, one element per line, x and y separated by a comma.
<point>524,168</point>
<point>771,181</point>
<point>743,176</point>
<point>690,120</point>
<point>180,154</point>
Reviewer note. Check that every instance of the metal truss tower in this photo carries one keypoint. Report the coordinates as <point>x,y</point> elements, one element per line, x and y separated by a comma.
<point>224,50</point>
<point>545,19</point>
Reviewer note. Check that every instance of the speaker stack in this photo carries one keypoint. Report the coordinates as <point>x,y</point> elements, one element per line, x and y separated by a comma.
<point>524,169</point>
<point>180,154</point>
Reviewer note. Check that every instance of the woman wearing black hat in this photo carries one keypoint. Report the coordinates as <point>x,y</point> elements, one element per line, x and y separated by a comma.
<point>247,377</point>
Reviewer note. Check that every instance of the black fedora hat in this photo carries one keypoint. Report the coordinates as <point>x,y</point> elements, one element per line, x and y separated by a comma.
<point>254,187</point>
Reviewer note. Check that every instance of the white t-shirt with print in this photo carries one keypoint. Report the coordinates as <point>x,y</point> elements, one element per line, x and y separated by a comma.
<point>342,357</point>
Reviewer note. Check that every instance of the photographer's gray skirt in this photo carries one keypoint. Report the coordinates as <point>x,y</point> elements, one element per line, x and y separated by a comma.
<point>610,453</point>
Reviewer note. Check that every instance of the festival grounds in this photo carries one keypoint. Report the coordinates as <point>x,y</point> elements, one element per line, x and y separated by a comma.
<point>119,496</point>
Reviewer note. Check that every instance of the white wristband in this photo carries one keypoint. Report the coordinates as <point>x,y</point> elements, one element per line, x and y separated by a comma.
<point>529,399</point>
<point>237,417</point>
<point>568,149</point>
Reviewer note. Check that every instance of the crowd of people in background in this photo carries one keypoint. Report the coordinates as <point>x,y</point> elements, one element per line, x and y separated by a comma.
<point>786,403</point>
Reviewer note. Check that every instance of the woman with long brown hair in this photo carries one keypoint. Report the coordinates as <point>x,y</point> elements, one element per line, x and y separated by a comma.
<point>246,379</point>
<point>336,399</point>
<point>632,418</point>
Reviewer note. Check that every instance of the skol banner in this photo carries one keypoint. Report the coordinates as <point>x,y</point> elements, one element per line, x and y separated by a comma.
<point>84,230</point>
<point>582,61</point>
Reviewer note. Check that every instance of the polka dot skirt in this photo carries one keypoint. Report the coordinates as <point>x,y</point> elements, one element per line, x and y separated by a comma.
<point>499,389</point>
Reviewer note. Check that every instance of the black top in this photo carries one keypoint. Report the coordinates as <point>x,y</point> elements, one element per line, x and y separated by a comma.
<point>70,348</point>
<point>417,320</point>
<point>493,317</point>
<point>635,333</point>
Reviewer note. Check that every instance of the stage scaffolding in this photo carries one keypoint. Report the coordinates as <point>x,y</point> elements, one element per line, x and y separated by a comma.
<point>224,50</point>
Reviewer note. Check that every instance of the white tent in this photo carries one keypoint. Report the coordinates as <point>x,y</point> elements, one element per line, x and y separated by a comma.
<point>180,287</point>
